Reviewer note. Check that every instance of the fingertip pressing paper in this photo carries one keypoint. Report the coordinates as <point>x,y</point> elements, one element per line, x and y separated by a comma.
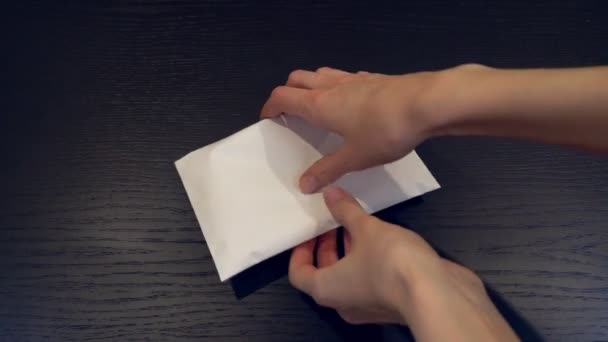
<point>244,190</point>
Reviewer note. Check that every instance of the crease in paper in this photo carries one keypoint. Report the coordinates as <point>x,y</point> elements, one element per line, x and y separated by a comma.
<point>244,190</point>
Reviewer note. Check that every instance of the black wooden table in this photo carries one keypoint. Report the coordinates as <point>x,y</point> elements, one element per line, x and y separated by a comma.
<point>98,239</point>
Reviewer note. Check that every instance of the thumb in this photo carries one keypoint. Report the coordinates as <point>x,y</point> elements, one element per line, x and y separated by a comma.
<point>344,207</point>
<point>328,169</point>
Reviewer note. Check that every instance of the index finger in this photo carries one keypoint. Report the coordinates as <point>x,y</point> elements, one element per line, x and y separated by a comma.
<point>288,100</point>
<point>302,271</point>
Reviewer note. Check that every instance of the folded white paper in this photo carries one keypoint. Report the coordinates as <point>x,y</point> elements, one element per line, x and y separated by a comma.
<point>244,190</point>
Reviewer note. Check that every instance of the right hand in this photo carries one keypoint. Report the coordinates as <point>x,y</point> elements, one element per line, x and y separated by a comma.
<point>379,117</point>
<point>389,274</point>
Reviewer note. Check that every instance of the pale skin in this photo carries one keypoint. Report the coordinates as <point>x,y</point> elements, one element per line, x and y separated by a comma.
<point>390,274</point>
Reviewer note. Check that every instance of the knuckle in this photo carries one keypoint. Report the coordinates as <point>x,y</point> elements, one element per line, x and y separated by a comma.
<point>473,277</point>
<point>333,166</point>
<point>323,68</point>
<point>292,278</point>
<point>317,100</point>
<point>318,97</point>
<point>349,317</point>
<point>395,135</point>
<point>294,75</point>
<point>471,66</point>
<point>468,275</point>
<point>393,146</point>
<point>278,92</point>
<point>367,222</point>
<point>319,294</point>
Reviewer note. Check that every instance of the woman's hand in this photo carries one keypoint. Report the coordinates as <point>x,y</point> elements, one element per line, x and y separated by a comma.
<point>391,275</point>
<point>382,118</point>
<point>379,116</point>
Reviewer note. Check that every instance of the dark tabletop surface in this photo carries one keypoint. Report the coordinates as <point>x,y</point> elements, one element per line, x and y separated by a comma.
<point>98,239</point>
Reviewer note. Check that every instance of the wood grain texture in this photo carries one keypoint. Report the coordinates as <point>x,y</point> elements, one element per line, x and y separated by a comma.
<point>98,240</point>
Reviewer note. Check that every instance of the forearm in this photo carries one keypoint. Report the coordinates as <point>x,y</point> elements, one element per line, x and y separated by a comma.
<point>443,305</point>
<point>562,106</point>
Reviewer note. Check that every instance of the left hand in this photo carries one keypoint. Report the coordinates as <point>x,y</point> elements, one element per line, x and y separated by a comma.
<point>379,116</point>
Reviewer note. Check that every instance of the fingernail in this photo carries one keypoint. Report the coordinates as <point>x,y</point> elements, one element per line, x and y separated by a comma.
<point>309,184</point>
<point>333,194</point>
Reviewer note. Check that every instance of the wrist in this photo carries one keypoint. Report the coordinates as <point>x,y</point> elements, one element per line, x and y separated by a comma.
<point>457,97</point>
<point>411,271</point>
<point>439,291</point>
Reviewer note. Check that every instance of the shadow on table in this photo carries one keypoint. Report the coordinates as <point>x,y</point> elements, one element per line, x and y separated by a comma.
<point>276,267</point>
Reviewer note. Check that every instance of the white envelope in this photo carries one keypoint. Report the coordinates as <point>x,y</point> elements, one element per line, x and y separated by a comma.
<point>244,190</point>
